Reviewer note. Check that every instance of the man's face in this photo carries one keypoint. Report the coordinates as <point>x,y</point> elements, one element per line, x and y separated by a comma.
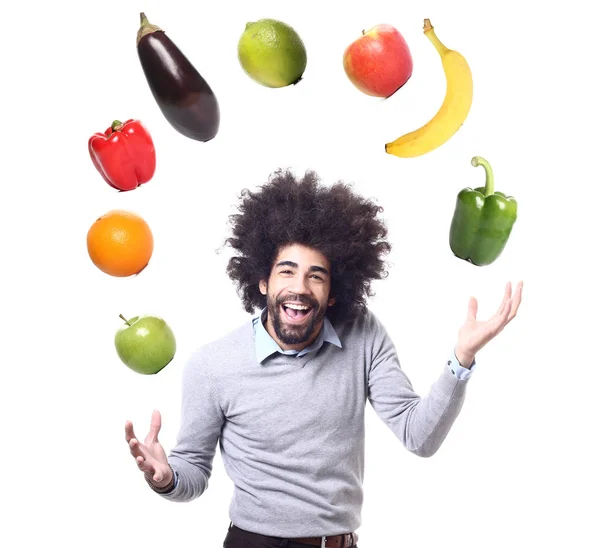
<point>297,295</point>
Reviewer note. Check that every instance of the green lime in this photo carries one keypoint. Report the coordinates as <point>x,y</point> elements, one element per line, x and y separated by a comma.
<point>272,53</point>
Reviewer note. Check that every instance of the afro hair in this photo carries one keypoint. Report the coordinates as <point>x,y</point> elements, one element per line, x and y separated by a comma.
<point>340,224</point>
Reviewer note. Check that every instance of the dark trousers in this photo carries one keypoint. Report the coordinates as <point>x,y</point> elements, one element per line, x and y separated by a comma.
<point>238,538</point>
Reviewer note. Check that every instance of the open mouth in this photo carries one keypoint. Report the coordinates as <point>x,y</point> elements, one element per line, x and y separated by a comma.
<point>295,312</point>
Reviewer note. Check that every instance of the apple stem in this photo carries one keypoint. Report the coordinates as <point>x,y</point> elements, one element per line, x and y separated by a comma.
<point>123,318</point>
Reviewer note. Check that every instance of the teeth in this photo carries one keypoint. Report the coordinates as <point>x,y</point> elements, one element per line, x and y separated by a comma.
<point>297,306</point>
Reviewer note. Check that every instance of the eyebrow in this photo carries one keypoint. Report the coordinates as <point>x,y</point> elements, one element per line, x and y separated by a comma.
<point>313,268</point>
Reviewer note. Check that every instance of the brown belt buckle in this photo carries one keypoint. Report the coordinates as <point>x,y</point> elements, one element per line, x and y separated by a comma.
<point>352,538</point>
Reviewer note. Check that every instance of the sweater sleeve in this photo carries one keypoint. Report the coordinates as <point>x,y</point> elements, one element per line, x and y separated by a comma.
<point>420,423</point>
<point>201,421</point>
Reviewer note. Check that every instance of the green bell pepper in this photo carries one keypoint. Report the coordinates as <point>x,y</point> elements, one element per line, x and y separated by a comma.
<point>483,220</point>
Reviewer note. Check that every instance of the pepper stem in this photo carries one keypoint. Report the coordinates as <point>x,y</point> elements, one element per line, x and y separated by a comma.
<point>145,28</point>
<point>123,318</point>
<point>116,125</point>
<point>489,175</point>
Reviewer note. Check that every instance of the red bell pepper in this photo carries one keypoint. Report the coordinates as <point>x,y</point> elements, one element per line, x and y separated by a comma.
<point>124,154</point>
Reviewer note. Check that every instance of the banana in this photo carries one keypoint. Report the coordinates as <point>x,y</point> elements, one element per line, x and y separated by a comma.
<point>453,112</point>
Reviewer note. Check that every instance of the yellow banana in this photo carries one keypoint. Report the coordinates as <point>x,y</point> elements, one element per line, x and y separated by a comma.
<point>453,112</point>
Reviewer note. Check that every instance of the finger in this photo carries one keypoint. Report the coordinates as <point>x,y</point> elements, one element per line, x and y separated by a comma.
<point>516,301</point>
<point>472,309</point>
<point>158,475</point>
<point>505,299</point>
<point>145,465</point>
<point>155,425</point>
<point>137,449</point>
<point>129,434</point>
<point>148,466</point>
<point>502,319</point>
<point>507,310</point>
<point>502,309</point>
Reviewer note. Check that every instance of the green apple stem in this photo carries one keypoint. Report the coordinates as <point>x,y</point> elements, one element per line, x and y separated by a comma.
<point>123,318</point>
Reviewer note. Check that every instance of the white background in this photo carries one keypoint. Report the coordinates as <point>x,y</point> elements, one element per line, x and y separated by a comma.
<point>519,467</point>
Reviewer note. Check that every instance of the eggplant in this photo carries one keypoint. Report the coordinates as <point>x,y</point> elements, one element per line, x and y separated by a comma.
<point>183,95</point>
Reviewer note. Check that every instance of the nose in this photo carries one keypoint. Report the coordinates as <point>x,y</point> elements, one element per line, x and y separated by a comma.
<point>299,286</point>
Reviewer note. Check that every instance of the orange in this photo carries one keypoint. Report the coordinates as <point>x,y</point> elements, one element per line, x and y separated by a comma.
<point>120,243</point>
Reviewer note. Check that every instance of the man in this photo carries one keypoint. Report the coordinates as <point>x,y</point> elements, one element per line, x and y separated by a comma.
<point>284,394</point>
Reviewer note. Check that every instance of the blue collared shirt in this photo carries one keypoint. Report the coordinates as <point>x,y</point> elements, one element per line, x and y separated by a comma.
<point>266,345</point>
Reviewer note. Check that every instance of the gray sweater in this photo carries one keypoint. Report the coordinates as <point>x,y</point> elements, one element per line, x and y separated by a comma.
<point>291,428</point>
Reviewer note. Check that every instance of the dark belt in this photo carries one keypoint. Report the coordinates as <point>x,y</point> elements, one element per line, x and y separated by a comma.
<point>337,541</point>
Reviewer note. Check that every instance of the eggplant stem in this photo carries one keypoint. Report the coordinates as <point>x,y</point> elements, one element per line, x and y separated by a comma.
<point>146,28</point>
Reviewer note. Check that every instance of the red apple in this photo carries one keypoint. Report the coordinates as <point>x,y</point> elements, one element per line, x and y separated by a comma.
<point>379,63</point>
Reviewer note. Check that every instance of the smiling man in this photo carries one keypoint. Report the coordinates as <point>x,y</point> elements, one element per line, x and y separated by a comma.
<point>296,307</point>
<point>284,394</point>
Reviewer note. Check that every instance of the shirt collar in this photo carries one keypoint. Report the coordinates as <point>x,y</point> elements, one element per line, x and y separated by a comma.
<point>265,345</point>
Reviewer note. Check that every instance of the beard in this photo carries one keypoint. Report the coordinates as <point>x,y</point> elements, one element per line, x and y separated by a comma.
<point>294,334</point>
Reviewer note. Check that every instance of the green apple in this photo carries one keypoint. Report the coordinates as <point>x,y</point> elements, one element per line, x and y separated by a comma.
<point>145,344</point>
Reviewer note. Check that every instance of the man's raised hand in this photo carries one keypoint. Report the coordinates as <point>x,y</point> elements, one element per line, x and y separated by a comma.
<point>475,334</point>
<point>150,456</point>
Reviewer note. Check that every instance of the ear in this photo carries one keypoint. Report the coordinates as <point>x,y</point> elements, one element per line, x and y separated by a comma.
<point>262,285</point>
<point>331,301</point>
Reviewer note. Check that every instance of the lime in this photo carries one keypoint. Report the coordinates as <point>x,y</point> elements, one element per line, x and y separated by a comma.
<point>272,53</point>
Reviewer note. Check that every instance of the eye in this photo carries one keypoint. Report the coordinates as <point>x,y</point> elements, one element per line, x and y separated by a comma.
<point>317,277</point>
